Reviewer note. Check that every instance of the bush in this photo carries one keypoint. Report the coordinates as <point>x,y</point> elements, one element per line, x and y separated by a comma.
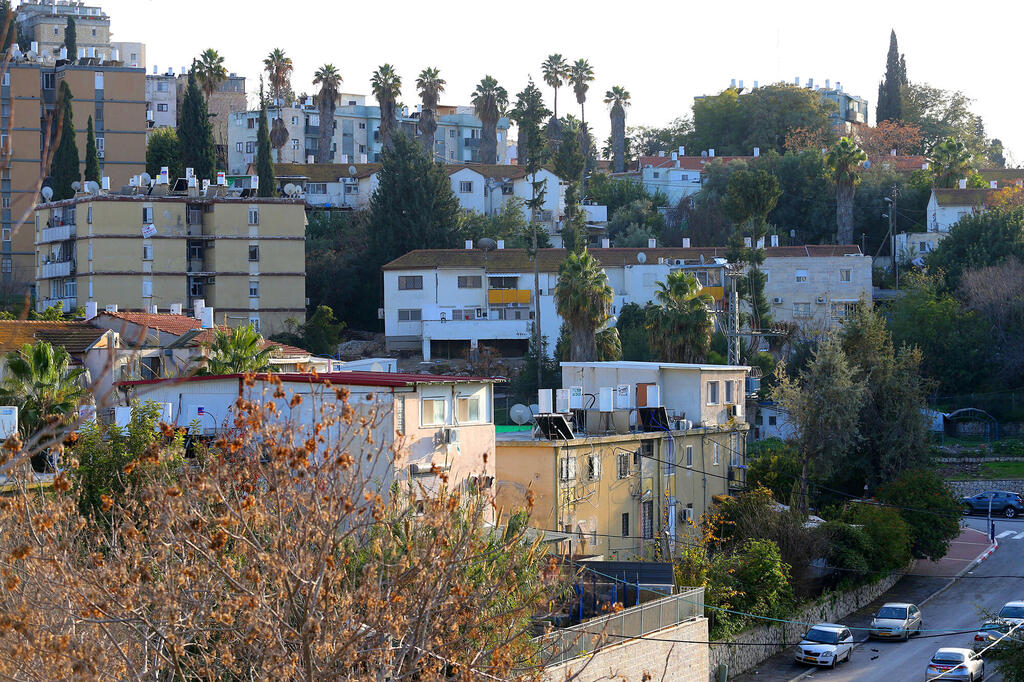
<point>887,535</point>
<point>774,464</point>
<point>762,579</point>
<point>930,511</point>
<point>848,550</point>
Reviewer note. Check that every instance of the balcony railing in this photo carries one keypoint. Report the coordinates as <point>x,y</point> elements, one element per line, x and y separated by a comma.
<point>67,304</point>
<point>472,142</point>
<point>60,269</point>
<point>503,296</point>
<point>312,131</point>
<point>56,234</point>
<point>542,216</point>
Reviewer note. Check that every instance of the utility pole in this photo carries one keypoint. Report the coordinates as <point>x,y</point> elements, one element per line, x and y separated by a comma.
<point>733,334</point>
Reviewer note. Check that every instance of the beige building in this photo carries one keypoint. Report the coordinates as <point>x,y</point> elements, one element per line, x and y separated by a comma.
<point>630,483</point>
<point>242,256</point>
<point>44,21</point>
<point>112,94</point>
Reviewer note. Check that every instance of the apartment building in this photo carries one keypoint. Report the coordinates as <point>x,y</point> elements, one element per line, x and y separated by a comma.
<point>242,255</point>
<point>946,207</point>
<point>112,94</point>
<point>445,302</point>
<point>225,102</point>
<point>161,100</point>
<point>357,133</point>
<point>44,21</point>
<point>621,481</point>
<point>678,176</point>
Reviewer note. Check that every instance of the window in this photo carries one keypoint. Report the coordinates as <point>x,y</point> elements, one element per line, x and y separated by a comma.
<point>728,393</point>
<point>6,265</point>
<point>6,234</point>
<point>251,124</point>
<point>714,455</point>
<point>466,186</point>
<point>254,216</point>
<point>295,120</point>
<point>503,282</point>
<point>254,253</point>
<point>147,252</point>
<point>254,320</point>
<point>734,454</point>
<point>801,310</point>
<point>451,133</point>
<point>295,144</point>
<point>147,290</point>
<point>71,288</point>
<point>410,315</point>
<point>238,146</point>
<point>507,189</point>
<point>623,467</point>
<point>161,86</point>
<point>135,57</point>
<point>625,525</point>
<point>567,469</point>
<point>362,125</point>
<point>410,282</point>
<point>772,420</point>
<point>842,310</point>
<point>147,215</point>
<point>254,289</point>
<point>6,202</point>
<point>657,175</point>
<point>689,455</point>
<point>801,276</point>
<point>593,463</point>
<point>351,189</point>
<point>316,188</point>
<point>844,275</point>
<point>250,147</point>
<point>433,412</point>
<point>647,521</point>
<point>362,149</point>
<point>712,393</point>
<point>161,107</point>
<point>470,281</point>
<point>94,31</point>
<point>468,409</point>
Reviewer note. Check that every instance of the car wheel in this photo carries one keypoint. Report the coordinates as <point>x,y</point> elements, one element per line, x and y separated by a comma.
<point>967,510</point>
<point>1010,512</point>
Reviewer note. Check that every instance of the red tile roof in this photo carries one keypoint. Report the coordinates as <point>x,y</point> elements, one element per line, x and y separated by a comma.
<point>962,197</point>
<point>696,163</point>
<point>382,379</point>
<point>76,337</point>
<point>909,163</point>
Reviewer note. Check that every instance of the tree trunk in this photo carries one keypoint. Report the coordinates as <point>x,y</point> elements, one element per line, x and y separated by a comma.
<point>428,126</point>
<point>387,122</point>
<point>618,140</point>
<point>804,470</point>
<point>489,142</point>
<point>323,152</point>
<point>584,344</point>
<point>844,213</point>
<point>536,295</point>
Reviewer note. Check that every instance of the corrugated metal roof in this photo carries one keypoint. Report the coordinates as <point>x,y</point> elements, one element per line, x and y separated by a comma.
<point>381,379</point>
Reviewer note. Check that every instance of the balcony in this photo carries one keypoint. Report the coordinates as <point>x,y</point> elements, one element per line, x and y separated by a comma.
<point>60,233</point>
<point>542,216</point>
<point>67,304</point>
<point>506,296</point>
<point>59,269</point>
<point>462,330</point>
<point>471,142</point>
<point>312,131</point>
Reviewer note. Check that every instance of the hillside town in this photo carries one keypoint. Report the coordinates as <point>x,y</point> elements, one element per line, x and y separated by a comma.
<point>381,379</point>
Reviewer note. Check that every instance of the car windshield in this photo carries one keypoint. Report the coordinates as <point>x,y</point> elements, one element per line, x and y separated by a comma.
<point>897,612</point>
<point>821,636</point>
<point>1011,612</point>
<point>947,657</point>
<point>998,627</point>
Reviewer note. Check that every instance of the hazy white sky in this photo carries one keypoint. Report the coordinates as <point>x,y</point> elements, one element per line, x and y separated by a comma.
<point>664,53</point>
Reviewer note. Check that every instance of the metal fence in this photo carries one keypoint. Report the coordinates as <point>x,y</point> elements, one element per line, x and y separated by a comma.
<point>587,638</point>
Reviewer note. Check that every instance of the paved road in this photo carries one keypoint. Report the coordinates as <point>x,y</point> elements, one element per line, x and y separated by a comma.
<point>960,607</point>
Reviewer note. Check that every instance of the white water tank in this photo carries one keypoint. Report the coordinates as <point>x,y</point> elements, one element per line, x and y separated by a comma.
<point>8,421</point>
<point>544,405</point>
<point>606,399</point>
<point>207,318</point>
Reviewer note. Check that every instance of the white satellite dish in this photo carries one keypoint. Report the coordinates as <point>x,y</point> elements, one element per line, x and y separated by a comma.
<point>520,414</point>
<point>641,258</point>
<point>92,187</point>
<point>146,179</point>
<point>47,193</point>
<point>352,171</point>
<point>289,189</point>
<point>76,185</point>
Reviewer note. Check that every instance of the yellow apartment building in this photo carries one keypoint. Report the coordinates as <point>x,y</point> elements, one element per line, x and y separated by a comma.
<point>158,251</point>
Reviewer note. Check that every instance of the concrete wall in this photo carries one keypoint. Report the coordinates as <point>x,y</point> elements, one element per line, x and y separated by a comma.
<point>970,488</point>
<point>645,659</point>
<point>830,282</point>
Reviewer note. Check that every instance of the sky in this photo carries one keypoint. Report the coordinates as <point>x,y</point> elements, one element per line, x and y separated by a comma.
<point>663,53</point>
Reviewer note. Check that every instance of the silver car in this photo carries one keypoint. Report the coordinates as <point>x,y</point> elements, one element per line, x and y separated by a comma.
<point>950,663</point>
<point>896,621</point>
<point>826,644</point>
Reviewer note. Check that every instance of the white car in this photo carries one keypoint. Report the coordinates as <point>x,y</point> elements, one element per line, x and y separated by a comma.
<point>1012,612</point>
<point>825,644</point>
<point>896,621</point>
<point>951,663</point>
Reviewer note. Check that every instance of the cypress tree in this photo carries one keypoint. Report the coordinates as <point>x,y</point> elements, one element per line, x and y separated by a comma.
<point>71,39</point>
<point>92,159</point>
<point>7,21</point>
<point>890,90</point>
<point>64,169</point>
<point>264,162</point>
<point>196,132</point>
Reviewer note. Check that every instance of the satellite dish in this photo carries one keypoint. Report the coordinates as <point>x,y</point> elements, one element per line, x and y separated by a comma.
<point>867,164</point>
<point>486,244</point>
<point>289,189</point>
<point>146,179</point>
<point>520,414</point>
<point>352,171</point>
<point>76,185</point>
<point>47,193</point>
<point>92,187</point>
<point>641,258</point>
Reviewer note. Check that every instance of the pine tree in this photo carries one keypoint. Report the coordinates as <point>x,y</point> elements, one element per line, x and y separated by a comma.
<point>264,162</point>
<point>92,158</point>
<point>196,132</point>
<point>890,90</point>
<point>71,39</point>
<point>64,169</point>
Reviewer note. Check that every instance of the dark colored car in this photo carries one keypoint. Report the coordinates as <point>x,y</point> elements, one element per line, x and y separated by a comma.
<point>1002,502</point>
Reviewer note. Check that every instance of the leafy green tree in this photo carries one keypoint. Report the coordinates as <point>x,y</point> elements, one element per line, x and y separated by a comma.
<point>824,404</point>
<point>329,80</point>
<point>241,350</point>
<point>928,508</point>
<point>581,75</point>
<point>339,273</point>
<point>843,162</point>
<point>848,550</point>
<point>64,168</point>
<point>763,579</point>
<point>950,162</point>
<point>941,114</point>
<point>430,86</point>
<point>1009,657</point>
<point>210,72</point>
<point>775,465</point>
<point>640,214</point>
<point>92,159</point>
<point>510,224</point>
<point>749,197</point>
<point>489,102</point>
<point>42,382</point>
<point>524,383</point>
<point>679,327</point>
<point>195,132</point>
<point>888,536</point>
<point>264,154</point>
<point>632,326</point>
<point>890,90</point>
<point>615,193</point>
<point>648,141</point>
<point>320,334</point>
<point>617,100</point>
<point>805,204</point>
<point>387,87</point>
<point>583,298</point>
<point>164,149</point>
<point>71,39</point>
<point>979,240</point>
<point>555,71</point>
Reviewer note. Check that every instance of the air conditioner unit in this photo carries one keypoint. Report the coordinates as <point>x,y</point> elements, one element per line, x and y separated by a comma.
<point>481,314</point>
<point>777,300</point>
<point>734,410</point>
<point>821,299</point>
<point>449,436</point>
<point>100,153</point>
<point>686,514</point>
<point>211,280</point>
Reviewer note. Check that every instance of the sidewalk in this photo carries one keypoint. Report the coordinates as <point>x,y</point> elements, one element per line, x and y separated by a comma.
<point>929,579</point>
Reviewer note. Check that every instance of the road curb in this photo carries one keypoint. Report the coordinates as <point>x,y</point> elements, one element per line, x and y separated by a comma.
<point>977,560</point>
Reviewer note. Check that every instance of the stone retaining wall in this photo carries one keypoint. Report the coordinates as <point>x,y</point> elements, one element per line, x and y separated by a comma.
<point>969,488</point>
<point>831,607</point>
<point>981,459</point>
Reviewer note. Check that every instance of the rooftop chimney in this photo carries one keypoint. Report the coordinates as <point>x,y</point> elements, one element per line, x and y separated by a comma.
<point>963,183</point>
<point>711,153</point>
<point>675,155</point>
<point>741,84</point>
<point>732,83</point>
<point>810,83</point>
<point>661,155</point>
<point>156,69</point>
<point>153,309</point>
<point>828,84</point>
<point>796,81</point>
<point>682,150</point>
<point>992,184</point>
<point>91,310</point>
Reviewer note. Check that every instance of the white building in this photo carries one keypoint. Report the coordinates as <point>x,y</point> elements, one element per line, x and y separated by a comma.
<point>449,301</point>
<point>678,176</point>
<point>946,207</point>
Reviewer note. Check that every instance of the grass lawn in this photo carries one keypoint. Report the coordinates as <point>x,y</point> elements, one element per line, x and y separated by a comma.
<point>992,471</point>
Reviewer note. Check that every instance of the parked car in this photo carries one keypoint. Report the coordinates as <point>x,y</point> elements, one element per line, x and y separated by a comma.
<point>1012,612</point>
<point>825,644</point>
<point>950,663</point>
<point>896,621</point>
<point>992,634</point>
<point>1002,502</point>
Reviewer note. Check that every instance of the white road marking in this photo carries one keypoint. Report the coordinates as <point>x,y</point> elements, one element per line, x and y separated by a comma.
<point>1019,536</point>
<point>1005,533</point>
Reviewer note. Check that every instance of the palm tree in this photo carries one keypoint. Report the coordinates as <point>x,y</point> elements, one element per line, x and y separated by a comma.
<point>329,80</point>
<point>582,298</point>
<point>387,86</point>
<point>42,383</point>
<point>430,86</point>
<point>279,71</point>
<point>618,99</point>
<point>581,75</point>
<point>843,162</point>
<point>210,71</point>
<point>239,351</point>
<point>950,162</point>
<point>489,102</point>
<point>679,327</point>
<point>555,72</point>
